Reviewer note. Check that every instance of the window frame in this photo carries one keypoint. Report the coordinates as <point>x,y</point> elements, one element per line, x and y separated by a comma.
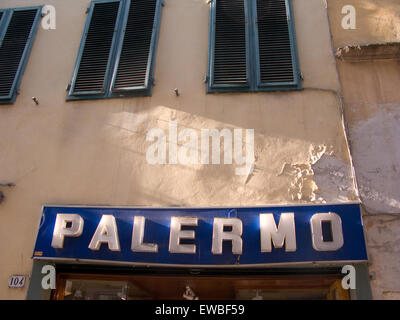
<point>4,24</point>
<point>115,52</point>
<point>252,54</point>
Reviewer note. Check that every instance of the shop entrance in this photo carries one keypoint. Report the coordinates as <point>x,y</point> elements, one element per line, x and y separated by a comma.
<point>200,284</point>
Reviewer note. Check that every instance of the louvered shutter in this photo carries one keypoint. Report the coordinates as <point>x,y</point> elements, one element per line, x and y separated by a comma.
<point>134,59</point>
<point>2,28</point>
<point>276,50</point>
<point>252,46</point>
<point>93,63</point>
<point>228,65</point>
<point>15,48</point>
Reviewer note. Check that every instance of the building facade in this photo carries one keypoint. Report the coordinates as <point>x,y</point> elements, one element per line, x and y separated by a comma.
<point>69,141</point>
<point>368,63</point>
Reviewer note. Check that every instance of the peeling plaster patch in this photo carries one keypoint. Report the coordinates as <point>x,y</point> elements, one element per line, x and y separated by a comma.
<point>316,152</point>
<point>376,154</point>
<point>302,186</point>
<point>333,178</point>
<point>323,178</point>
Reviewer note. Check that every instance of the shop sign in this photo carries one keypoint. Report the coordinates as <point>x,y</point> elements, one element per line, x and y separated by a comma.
<point>202,236</point>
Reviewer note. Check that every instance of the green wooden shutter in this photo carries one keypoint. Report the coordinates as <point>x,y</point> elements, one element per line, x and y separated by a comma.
<point>228,55</point>
<point>94,57</point>
<point>17,38</point>
<point>252,46</point>
<point>276,45</point>
<point>117,51</point>
<point>134,59</point>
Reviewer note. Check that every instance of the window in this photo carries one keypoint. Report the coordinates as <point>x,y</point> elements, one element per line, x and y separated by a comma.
<point>116,55</point>
<point>17,31</point>
<point>252,46</point>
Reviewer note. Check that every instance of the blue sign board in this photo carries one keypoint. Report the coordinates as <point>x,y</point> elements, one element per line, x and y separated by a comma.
<point>214,236</point>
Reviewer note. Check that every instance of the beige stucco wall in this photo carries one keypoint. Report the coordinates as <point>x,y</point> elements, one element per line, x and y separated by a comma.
<point>93,152</point>
<point>370,78</point>
<point>377,21</point>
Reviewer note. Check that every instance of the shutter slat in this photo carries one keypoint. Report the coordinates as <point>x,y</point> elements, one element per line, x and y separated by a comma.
<point>274,42</point>
<point>13,46</point>
<point>93,64</point>
<point>133,62</point>
<point>230,43</point>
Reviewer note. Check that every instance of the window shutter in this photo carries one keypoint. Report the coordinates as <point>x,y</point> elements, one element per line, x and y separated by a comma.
<point>229,52</point>
<point>276,60</point>
<point>134,59</point>
<point>90,73</point>
<point>14,49</point>
<point>2,14</point>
